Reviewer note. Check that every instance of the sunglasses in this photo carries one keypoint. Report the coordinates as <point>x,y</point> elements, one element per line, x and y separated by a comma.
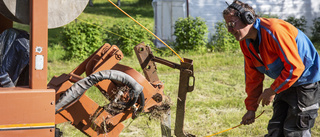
<point>231,24</point>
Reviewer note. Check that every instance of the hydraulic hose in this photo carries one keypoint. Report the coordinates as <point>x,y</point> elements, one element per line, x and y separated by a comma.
<point>77,89</point>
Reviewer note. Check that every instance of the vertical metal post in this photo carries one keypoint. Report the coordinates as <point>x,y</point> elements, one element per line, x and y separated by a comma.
<point>38,44</point>
<point>187,8</point>
<point>186,71</point>
<point>166,124</point>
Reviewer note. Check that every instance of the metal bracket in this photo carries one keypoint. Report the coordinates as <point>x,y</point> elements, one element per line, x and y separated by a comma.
<point>147,61</point>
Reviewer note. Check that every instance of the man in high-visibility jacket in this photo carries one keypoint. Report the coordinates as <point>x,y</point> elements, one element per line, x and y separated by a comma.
<point>279,50</point>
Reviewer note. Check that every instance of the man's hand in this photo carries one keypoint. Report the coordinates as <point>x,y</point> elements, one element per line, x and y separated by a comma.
<point>266,97</point>
<point>248,118</point>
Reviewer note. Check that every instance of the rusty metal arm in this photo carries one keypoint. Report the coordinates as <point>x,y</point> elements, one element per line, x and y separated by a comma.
<point>147,61</point>
<point>186,72</point>
<point>145,56</point>
<point>166,62</point>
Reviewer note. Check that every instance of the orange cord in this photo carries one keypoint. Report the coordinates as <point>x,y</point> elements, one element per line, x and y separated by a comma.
<point>232,127</point>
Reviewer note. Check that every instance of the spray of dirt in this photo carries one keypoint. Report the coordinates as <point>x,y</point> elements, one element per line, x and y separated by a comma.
<point>121,95</point>
<point>160,112</point>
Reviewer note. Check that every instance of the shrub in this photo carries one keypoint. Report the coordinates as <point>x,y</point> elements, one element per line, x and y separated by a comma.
<point>57,52</point>
<point>81,39</point>
<point>162,51</point>
<point>222,40</point>
<point>144,2</point>
<point>298,23</point>
<point>128,35</point>
<point>262,15</point>
<point>191,34</point>
<point>316,30</point>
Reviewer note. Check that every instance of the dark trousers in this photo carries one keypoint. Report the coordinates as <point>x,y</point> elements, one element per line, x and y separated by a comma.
<point>295,111</point>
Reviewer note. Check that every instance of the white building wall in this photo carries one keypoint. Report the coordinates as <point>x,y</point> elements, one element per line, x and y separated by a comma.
<point>166,13</point>
<point>211,11</point>
<point>310,9</point>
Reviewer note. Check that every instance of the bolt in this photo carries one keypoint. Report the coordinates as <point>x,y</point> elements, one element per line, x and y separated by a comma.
<point>118,56</point>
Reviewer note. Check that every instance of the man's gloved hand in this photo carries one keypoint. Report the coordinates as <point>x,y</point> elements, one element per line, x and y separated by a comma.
<point>248,118</point>
<point>266,97</point>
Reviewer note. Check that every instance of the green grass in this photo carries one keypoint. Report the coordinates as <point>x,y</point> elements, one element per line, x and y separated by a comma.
<point>216,104</point>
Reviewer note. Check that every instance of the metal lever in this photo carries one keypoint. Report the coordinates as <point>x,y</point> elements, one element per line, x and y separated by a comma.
<point>147,61</point>
<point>186,72</point>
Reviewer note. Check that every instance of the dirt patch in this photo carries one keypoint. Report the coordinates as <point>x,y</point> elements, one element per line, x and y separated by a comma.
<point>160,112</point>
<point>114,108</point>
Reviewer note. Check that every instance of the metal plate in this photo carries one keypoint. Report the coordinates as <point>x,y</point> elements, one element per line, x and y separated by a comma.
<point>26,112</point>
<point>60,12</point>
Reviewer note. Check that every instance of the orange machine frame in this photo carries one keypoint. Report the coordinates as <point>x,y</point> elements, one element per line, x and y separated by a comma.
<point>90,116</point>
<point>29,111</point>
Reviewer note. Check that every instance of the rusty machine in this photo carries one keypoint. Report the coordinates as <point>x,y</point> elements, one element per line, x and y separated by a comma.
<point>35,109</point>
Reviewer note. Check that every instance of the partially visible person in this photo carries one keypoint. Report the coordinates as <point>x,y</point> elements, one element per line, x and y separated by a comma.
<point>14,58</point>
<point>279,50</point>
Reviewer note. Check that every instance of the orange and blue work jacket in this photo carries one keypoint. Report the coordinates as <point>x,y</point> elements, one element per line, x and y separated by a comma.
<point>284,53</point>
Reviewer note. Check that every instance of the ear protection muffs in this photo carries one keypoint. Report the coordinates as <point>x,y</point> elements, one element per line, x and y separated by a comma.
<point>246,16</point>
